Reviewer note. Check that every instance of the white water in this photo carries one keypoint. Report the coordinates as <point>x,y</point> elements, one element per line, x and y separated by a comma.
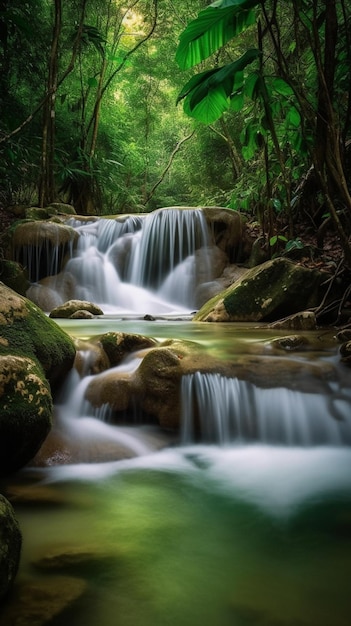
<point>135,264</point>
<point>232,410</point>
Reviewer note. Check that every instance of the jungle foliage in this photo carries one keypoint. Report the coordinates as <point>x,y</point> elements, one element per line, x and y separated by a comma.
<point>88,113</point>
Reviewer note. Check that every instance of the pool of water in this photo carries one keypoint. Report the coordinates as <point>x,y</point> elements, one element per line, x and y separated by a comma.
<point>198,535</point>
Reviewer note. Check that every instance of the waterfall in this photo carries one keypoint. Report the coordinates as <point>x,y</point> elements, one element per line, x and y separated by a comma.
<point>147,264</point>
<point>226,410</point>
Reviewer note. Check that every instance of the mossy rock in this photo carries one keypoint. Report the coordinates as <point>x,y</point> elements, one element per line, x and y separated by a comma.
<point>14,276</point>
<point>118,345</point>
<point>40,233</point>
<point>268,292</point>
<point>10,547</point>
<point>25,411</point>
<point>36,213</point>
<point>57,208</point>
<point>26,331</point>
<point>71,307</point>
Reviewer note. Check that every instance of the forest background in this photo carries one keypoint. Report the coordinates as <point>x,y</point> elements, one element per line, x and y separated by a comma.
<point>89,114</point>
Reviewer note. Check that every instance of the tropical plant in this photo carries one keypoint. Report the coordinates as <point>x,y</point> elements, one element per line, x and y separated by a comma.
<point>292,113</point>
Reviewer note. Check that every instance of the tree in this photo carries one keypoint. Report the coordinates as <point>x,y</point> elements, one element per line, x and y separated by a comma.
<point>289,117</point>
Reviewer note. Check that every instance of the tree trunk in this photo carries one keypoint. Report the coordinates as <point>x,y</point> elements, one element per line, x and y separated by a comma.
<point>46,182</point>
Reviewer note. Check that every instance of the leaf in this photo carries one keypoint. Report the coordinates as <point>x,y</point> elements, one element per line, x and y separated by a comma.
<point>207,95</point>
<point>212,29</point>
<point>293,117</point>
<point>282,87</point>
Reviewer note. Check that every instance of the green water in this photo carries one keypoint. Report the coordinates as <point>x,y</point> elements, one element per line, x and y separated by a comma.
<point>197,536</point>
<point>179,539</point>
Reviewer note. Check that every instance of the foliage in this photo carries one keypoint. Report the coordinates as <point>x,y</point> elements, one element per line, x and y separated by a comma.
<point>292,113</point>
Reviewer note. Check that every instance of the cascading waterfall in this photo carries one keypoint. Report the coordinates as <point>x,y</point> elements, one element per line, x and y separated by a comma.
<point>230,410</point>
<point>141,264</point>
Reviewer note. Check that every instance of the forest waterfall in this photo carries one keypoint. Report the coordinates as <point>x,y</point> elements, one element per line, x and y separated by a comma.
<point>150,264</point>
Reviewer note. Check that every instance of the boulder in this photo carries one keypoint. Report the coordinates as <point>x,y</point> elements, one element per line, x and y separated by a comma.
<point>14,276</point>
<point>268,292</point>
<point>119,345</point>
<point>154,388</point>
<point>35,356</point>
<point>69,308</point>
<point>47,241</point>
<point>10,546</point>
<point>229,232</point>
<point>26,411</point>
<point>27,332</point>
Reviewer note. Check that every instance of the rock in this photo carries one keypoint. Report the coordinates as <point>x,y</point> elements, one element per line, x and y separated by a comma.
<point>155,386</point>
<point>27,331</point>
<point>26,410</point>
<point>345,351</point>
<point>56,208</point>
<point>118,345</point>
<point>70,307</point>
<point>37,603</point>
<point>14,276</point>
<point>77,560</point>
<point>81,315</point>
<point>344,335</point>
<point>52,291</point>
<point>229,232</point>
<point>36,213</point>
<point>290,343</point>
<point>305,320</point>
<point>35,355</point>
<point>44,240</point>
<point>10,547</point>
<point>268,292</point>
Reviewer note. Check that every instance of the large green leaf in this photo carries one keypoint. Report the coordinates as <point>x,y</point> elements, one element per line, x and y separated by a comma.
<point>214,27</point>
<point>207,95</point>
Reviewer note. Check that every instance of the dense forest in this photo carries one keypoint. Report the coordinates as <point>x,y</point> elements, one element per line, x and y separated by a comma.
<point>124,106</point>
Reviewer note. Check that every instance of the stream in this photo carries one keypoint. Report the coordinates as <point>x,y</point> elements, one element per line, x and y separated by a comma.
<point>231,530</point>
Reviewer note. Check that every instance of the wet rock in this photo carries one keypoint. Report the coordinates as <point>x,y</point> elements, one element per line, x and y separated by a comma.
<point>119,345</point>
<point>71,307</point>
<point>10,547</point>
<point>37,603</point>
<point>26,410</point>
<point>265,293</point>
<point>14,276</point>
<point>27,331</point>
<point>35,354</point>
<point>345,351</point>
<point>305,320</point>
<point>344,335</point>
<point>82,315</point>
<point>291,342</point>
<point>77,560</point>
<point>229,232</point>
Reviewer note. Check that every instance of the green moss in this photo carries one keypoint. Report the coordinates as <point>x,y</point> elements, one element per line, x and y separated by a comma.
<point>27,331</point>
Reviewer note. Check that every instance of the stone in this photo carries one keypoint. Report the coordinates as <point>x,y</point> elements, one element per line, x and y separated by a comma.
<point>305,320</point>
<point>268,292</point>
<point>10,547</point>
<point>345,351</point>
<point>26,411</point>
<point>37,603</point>
<point>14,276</point>
<point>70,307</point>
<point>35,356</point>
<point>118,345</point>
<point>26,331</point>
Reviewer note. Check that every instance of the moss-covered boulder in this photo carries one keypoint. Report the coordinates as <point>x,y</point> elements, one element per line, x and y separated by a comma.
<point>73,307</point>
<point>35,355</point>
<point>119,345</point>
<point>268,292</point>
<point>27,331</point>
<point>10,546</point>
<point>26,411</point>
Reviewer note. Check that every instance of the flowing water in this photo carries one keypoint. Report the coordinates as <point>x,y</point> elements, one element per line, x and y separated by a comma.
<point>250,526</point>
